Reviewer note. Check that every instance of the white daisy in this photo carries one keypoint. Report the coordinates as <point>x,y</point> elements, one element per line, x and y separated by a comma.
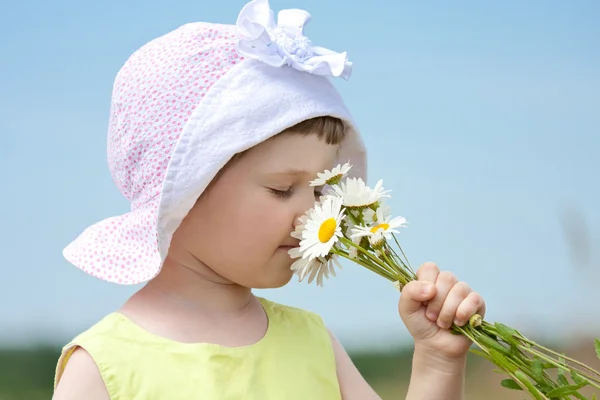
<point>332,177</point>
<point>322,229</point>
<point>356,194</point>
<point>377,241</point>
<point>383,228</point>
<point>371,216</point>
<point>320,267</point>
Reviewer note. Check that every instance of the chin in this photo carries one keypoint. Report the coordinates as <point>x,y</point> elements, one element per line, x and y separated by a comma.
<point>276,280</point>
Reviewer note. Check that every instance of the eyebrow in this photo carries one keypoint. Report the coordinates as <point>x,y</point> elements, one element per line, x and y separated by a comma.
<point>293,172</point>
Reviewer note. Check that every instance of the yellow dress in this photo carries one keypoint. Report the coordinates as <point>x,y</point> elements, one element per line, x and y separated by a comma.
<point>293,361</point>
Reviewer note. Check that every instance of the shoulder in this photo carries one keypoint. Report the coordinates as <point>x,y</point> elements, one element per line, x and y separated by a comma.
<point>78,373</point>
<point>80,379</point>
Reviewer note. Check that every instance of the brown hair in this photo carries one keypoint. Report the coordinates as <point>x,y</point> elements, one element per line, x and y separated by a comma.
<point>331,129</point>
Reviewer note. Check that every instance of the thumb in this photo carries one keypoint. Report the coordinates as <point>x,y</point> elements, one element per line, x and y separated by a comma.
<point>413,295</point>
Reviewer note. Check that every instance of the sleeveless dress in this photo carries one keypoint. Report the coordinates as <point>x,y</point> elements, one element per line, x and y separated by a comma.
<point>293,361</point>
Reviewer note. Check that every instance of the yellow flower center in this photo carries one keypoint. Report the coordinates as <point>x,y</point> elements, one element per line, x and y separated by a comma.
<point>327,230</point>
<point>334,180</point>
<point>385,227</point>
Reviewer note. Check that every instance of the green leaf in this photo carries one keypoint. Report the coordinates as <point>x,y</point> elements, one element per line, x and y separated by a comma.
<point>537,369</point>
<point>578,379</point>
<point>507,333</point>
<point>527,383</point>
<point>500,361</point>
<point>565,390</point>
<point>562,380</point>
<point>504,329</point>
<point>479,353</point>
<point>561,372</point>
<point>490,343</point>
<point>597,346</point>
<point>510,384</point>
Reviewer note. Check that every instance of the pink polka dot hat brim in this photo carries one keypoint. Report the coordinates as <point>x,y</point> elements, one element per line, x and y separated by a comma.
<point>120,249</point>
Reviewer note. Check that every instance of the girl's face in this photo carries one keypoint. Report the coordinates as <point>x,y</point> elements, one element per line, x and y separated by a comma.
<point>239,230</point>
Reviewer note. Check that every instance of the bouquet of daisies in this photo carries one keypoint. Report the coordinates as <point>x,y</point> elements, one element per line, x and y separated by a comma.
<point>352,221</point>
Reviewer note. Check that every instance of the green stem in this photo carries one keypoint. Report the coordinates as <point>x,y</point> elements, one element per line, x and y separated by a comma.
<point>368,254</point>
<point>401,274</point>
<point>405,257</point>
<point>380,272</point>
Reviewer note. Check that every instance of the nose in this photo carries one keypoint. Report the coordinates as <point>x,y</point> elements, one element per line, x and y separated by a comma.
<point>296,221</point>
<point>304,205</point>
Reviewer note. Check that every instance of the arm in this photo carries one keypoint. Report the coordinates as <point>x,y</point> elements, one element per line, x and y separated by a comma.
<point>81,379</point>
<point>352,385</point>
<point>448,376</point>
<point>436,378</point>
<point>428,307</point>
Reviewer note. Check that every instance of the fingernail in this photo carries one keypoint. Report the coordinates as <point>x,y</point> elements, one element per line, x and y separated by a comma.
<point>432,316</point>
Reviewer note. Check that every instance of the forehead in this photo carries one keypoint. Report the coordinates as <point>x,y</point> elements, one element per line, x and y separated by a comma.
<point>292,151</point>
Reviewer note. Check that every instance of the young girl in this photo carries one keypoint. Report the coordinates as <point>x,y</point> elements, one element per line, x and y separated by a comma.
<point>215,133</point>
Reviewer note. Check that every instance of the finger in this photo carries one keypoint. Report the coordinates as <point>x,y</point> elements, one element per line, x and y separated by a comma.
<point>428,272</point>
<point>413,295</point>
<point>455,298</point>
<point>444,283</point>
<point>472,304</point>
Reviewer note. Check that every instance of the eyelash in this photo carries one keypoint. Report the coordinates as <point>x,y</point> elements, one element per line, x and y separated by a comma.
<point>286,194</point>
<point>282,193</point>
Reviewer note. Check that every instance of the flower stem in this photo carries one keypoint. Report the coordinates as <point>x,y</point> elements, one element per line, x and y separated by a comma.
<point>381,272</point>
<point>371,257</point>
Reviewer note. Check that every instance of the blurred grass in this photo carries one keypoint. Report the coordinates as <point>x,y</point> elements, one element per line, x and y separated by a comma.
<point>27,374</point>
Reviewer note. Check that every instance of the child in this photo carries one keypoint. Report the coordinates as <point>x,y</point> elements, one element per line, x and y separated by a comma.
<point>215,132</point>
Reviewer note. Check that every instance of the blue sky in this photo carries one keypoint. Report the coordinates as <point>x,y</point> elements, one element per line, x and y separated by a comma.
<point>483,118</point>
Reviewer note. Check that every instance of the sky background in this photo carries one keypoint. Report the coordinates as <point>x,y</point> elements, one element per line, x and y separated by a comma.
<point>482,117</point>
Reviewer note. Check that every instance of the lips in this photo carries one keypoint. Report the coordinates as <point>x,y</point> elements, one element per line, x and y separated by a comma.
<point>289,246</point>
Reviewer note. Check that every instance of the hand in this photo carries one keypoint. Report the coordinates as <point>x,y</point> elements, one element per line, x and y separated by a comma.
<point>429,306</point>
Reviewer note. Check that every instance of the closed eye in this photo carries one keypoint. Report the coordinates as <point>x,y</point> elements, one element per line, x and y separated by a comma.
<point>284,194</point>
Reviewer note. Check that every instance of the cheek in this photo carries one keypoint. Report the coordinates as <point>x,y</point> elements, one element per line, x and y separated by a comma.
<point>262,223</point>
<point>235,229</point>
